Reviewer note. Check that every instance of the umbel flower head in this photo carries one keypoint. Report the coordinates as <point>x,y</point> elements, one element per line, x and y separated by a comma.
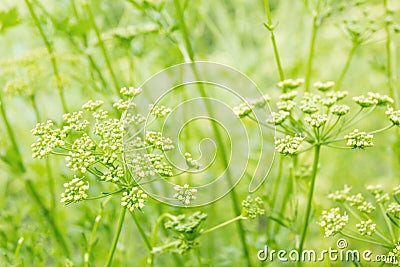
<point>252,207</point>
<point>187,228</point>
<point>185,194</point>
<point>290,84</point>
<point>394,116</point>
<point>366,227</point>
<point>242,110</point>
<point>133,199</point>
<point>288,145</point>
<point>357,139</point>
<point>333,221</point>
<point>324,86</point>
<point>75,191</point>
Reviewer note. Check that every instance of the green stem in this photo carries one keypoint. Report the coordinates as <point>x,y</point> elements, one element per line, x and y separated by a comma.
<point>310,197</point>
<point>388,223</point>
<point>48,216</point>
<point>365,240</point>
<point>11,135</point>
<point>50,51</point>
<point>222,225</point>
<point>18,248</point>
<point>116,237</point>
<point>217,134</point>
<point>275,194</point>
<point>390,60</point>
<point>154,235</point>
<point>270,27</point>
<point>50,177</point>
<point>102,48</point>
<point>311,52</point>
<point>382,129</point>
<point>346,66</point>
<point>141,232</point>
<point>86,260</point>
<point>286,194</point>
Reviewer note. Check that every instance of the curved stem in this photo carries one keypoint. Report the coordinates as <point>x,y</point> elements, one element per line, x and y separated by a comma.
<point>390,59</point>
<point>270,28</point>
<point>364,240</point>
<point>116,237</point>
<point>11,135</point>
<point>311,52</point>
<point>102,48</point>
<point>97,220</point>
<point>240,217</point>
<point>216,131</point>
<point>141,231</point>
<point>50,51</point>
<point>310,197</point>
<point>346,66</point>
<point>382,129</point>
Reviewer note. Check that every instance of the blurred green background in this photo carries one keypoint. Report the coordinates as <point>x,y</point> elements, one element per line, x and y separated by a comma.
<point>138,39</point>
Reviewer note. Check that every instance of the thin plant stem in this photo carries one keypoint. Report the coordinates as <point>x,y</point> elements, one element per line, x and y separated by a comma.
<point>271,29</point>
<point>141,232</point>
<point>50,51</point>
<point>18,248</point>
<point>364,240</point>
<point>317,150</point>
<point>154,235</point>
<point>222,225</point>
<point>217,134</point>
<point>50,177</point>
<point>48,216</point>
<point>11,135</point>
<point>287,192</point>
<point>116,237</point>
<point>103,48</point>
<point>275,191</point>
<point>388,223</point>
<point>390,59</point>
<point>346,66</point>
<point>97,220</point>
<point>311,52</point>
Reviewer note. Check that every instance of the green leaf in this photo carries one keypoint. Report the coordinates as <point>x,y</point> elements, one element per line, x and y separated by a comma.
<point>8,19</point>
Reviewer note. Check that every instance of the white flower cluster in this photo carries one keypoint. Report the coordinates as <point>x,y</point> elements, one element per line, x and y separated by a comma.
<point>92,105</point>
<point>130,91</point>
<point>366,227</point>
<point>332,221</point>
<point>75,121</point>
<point>134,199</point>
<point>394,116</point>
<point>48,139</point>
<point>81,156</point>
<point>279,117</point>
<point>290,84</point>
<point>242,110</point>
<point>340,195</point>
<point>360,203</point>
<point>316,120</point>
<point>157,140</point>
<point>75,191</point>
<point>191,162</point>
<point>324,86</point>
<point>252,207</point>
<point>185,194</point>
<point>159,111</point>
<point>357,139</point>
<point>288,145</point>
